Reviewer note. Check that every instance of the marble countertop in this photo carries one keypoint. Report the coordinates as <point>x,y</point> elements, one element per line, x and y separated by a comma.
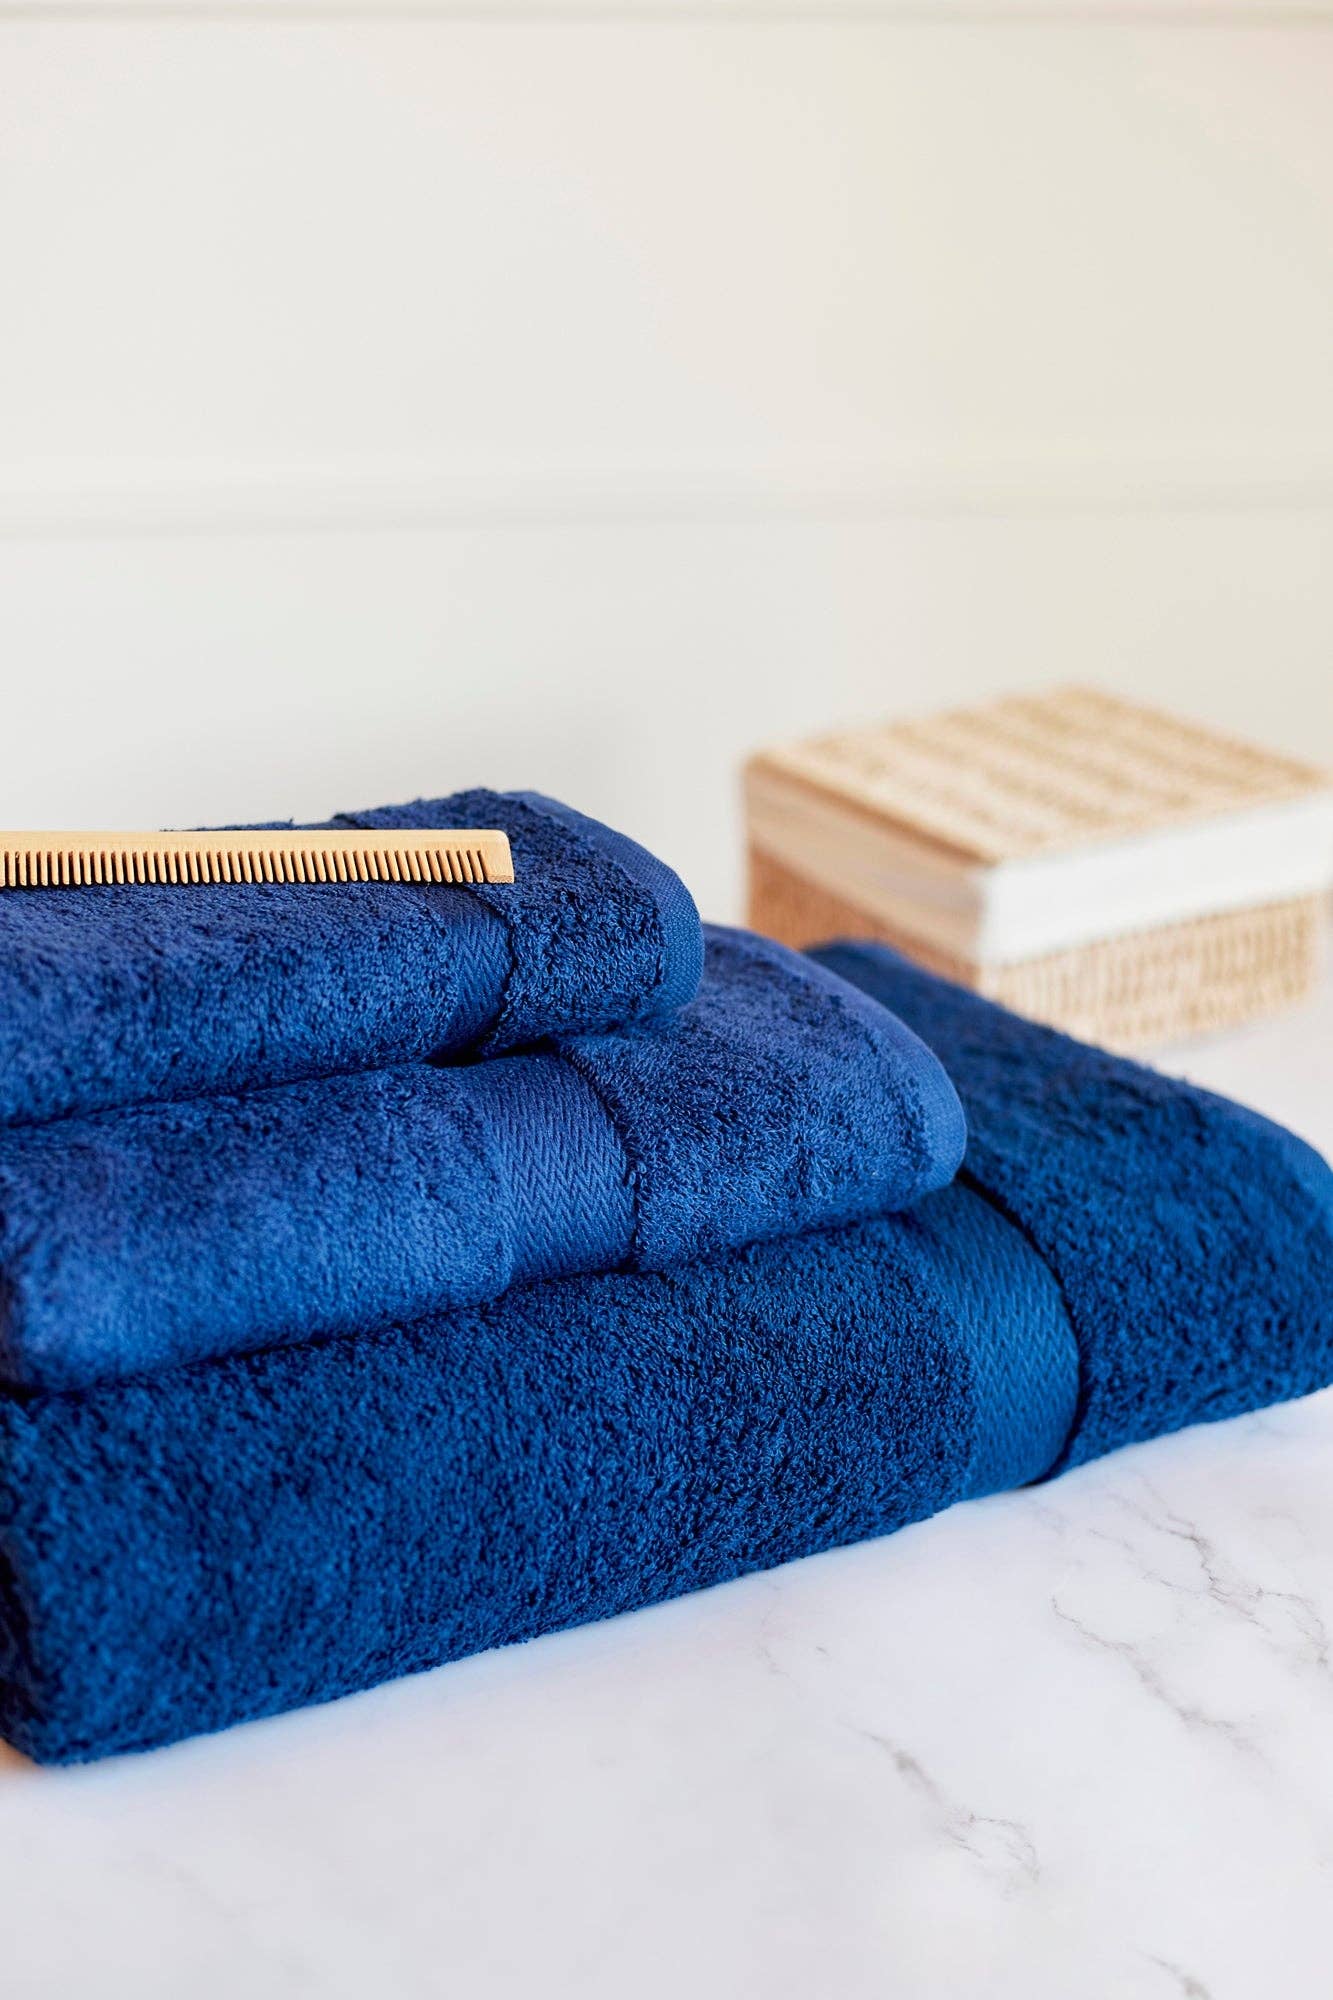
<point>1074,1741</point>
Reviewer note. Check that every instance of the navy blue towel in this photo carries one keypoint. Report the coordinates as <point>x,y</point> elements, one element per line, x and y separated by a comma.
<point>242,1536</point>
<point>1191,1238</point>
<point>779,1099</point>
<point>113,996</point>
<point>1122,1255</point>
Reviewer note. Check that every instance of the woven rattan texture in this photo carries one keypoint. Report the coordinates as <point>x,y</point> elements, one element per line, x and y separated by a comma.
<point>1033,774</point>
<point>1132,992</point>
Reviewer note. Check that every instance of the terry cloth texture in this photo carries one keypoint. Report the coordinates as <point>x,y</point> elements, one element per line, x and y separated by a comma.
<point>242,1536</point>
<point>779,1100</point>
<point>233,1537</point>
<point>112,996</point>
<point>1192,1240</point>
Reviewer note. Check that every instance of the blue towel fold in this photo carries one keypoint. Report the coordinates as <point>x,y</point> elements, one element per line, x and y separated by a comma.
<point>112,996</point>
<point>781,1098</point>
<point>1191,1238</point>
<point>239,1536</point>
<point>248,1535</point>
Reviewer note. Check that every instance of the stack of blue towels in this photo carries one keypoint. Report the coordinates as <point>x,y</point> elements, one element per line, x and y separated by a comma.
<point>393,1271</point>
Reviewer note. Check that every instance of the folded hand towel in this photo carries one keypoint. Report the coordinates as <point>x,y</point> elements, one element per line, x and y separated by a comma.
<point>244,1535</point>
<point>113,996</point>
<point>781,1098</point>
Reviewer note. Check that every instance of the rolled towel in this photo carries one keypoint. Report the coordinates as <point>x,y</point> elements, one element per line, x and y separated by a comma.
<point>226,1540</point>
<point>780,1099</point>
<point>112,996</point>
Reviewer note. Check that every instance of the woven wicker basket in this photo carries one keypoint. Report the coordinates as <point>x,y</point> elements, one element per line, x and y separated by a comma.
<point>1042,776</point>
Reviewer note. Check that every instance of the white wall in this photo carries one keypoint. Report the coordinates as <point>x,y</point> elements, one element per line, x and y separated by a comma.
<point>576,396</point>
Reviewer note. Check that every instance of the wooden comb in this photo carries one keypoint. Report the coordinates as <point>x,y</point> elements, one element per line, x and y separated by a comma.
<point>254,854</point>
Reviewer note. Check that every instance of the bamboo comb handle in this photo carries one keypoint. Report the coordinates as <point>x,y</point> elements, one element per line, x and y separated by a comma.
<point>75,860</point>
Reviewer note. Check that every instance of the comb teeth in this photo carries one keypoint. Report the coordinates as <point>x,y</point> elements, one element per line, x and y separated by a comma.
<point>79,860</point>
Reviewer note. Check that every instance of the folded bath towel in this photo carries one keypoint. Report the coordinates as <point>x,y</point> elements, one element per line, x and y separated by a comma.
<point>114,996</point>
<point>247,1535</point>
<point>1191,1238</point>
<point>236,1537</point>
<point>781,1098</point>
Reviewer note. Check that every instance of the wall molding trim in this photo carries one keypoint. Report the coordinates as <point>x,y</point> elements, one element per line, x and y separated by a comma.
<point>343,498</point>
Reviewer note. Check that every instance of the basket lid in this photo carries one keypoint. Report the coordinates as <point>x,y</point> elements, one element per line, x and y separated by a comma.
<point>1035,774</point>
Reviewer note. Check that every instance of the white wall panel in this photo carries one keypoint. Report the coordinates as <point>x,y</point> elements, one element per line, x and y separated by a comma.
<point>206,677</point>
<point>390,401</point>
<point>647,256</point>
